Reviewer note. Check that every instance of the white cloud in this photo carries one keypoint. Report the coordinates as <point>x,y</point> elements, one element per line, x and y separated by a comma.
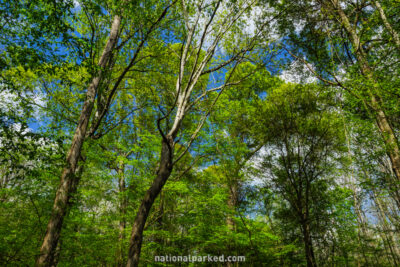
<point>298,73</point>
<point>76,4</point>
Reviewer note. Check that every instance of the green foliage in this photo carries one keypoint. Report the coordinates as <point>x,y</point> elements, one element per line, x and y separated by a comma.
<point>271,159</point>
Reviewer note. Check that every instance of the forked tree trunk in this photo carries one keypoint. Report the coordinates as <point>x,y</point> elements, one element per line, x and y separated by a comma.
<point>163,173</point>
<point>68,180</point>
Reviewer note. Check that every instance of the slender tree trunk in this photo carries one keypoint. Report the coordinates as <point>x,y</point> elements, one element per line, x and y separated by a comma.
<point>68,179</point>
<point>333,255</point>
<point>232,203</point>
<point>362,229</point>
<point>122,213</point>
<point>388,27</point>
<point>163,173</point>
<point>308,244</point>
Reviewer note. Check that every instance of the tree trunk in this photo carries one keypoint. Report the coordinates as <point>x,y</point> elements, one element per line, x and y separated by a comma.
<point>159,225</point>
<point>163,173</point>
<point>390,140</point>
<point>68,179</point>
<point>57,254</point>
<point>122,213</point>
<point>308,244</point>
<point>388,27</point>
<point>232,203</point>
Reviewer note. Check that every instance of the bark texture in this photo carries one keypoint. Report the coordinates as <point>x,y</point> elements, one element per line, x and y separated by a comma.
<point>163,173</point>
<point>68,181</point>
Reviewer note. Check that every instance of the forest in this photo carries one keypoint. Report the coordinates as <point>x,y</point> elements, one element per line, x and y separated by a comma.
<point>199,133</point>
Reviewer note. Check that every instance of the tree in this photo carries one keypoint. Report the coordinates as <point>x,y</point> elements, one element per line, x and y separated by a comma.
<point>217,26</point>
<point>343,36</point>
<point>303,141</point>
<point>69,181</point>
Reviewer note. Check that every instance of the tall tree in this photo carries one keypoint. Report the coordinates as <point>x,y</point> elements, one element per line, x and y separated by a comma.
<point>106,62</point>
<point>303,141</point>
<point>341,44</point>
<point>195,60</point>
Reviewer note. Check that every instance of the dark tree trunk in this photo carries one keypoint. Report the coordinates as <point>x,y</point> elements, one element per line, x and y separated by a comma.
<point>68,181</point>
<point>159,225</point>
<point>309,251</point>
<point>163,173</point>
